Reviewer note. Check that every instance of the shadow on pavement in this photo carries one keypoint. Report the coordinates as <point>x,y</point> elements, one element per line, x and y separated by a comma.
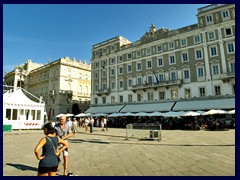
<point>140,142</point>
<point>89,141</point>
<point>23,167</point>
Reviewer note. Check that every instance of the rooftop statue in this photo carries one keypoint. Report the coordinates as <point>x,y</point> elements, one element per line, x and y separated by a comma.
<point>152,29</point>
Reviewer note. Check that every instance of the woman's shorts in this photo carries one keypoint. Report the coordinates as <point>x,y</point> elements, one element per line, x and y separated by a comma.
<point>43,170</point>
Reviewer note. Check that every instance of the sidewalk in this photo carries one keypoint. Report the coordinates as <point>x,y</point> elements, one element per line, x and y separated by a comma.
<point>108,153</point>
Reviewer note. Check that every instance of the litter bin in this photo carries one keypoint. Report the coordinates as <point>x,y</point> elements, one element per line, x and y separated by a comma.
<point>7,128</point>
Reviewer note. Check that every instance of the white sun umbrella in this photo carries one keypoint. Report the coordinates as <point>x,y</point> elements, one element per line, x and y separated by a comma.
<point>171,114</point>
<point>214,111</point>
<point>128,114</point>
<point>115,115</point>
<point>191,113</point>
<point>156,113</point>
<point>69,115</point>
<point>231,112</point>
<point>60,115</point>
<point>200,112</point>
<point>141,114</point>
<point>180,113</point>
<point>83,114</point>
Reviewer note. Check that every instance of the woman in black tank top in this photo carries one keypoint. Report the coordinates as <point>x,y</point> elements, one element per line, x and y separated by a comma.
<point>48,163</point>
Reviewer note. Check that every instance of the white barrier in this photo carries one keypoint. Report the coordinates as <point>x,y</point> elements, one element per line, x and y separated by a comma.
<point>34,124</point>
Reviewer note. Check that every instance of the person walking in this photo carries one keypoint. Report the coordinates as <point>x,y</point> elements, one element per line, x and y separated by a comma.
<point>74,126</point>
<point>102,123</point>
<point>48,163</point>
<point>63,130</point>
<point>86,123</point>
<point>91,123</point>
<point>105,123</point>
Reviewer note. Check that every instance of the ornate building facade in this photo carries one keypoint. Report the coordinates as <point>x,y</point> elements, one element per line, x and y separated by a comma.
<point>62,84</point>
<point>191,64</point>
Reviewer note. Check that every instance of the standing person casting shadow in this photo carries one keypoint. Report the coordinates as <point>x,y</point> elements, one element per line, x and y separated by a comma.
<point>48,163</point>
<point>63,130</point>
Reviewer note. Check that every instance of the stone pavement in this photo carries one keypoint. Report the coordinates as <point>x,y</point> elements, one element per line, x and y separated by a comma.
<point>108,153</point>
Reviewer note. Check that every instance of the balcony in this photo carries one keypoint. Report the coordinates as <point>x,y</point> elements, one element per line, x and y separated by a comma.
<point>226,77</point>
<point>166,84</point>
<point>103,92</point>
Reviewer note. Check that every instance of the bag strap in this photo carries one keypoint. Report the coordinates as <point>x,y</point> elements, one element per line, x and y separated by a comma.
<point>52,144</point>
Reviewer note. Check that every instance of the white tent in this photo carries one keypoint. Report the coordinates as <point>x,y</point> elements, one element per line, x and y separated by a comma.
<point>21,112</point>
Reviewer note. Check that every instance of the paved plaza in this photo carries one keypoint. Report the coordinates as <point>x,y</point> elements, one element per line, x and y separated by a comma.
<point>108,153</point>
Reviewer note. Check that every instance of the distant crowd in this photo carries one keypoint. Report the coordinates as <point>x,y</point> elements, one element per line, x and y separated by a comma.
<point>171,123</point>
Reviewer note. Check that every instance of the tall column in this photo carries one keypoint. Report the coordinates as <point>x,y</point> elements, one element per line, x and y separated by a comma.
<point>209,83</point>
<point>116,82</point>
<point>222,53</point>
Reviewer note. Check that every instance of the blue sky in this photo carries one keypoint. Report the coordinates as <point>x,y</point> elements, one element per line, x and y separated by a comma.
<point>46,32</point>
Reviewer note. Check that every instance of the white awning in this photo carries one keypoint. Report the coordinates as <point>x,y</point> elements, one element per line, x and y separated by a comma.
<point>104,109</point>
<point>227,103</point>
<point>148,107</point>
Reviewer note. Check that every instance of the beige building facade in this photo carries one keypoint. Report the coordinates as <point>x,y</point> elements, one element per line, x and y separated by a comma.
<point>165,67</point>
<point>64,84</point>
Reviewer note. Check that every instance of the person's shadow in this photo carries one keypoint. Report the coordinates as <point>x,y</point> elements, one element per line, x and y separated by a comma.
<point>23,167</point>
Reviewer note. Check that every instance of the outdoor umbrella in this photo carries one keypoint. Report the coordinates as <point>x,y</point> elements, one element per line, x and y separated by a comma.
<point>141,114</point>
<point>59,115</point>
<point>156,113</point>
<point>200,112</point>
<point>191,113</point>
<point>214,111</point>
<point>83,114</point>
<point>171,114</point>
<point>231,112</point>
<point>128,114</point>
<point>69,115</point>
<point>180,113</point>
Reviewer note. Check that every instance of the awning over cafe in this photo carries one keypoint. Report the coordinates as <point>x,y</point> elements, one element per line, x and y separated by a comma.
<point>148,107</point>
<point>227,103</point>
<point>104,109</point>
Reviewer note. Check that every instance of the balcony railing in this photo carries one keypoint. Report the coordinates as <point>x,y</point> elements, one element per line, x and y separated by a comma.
<point>225,77</point>
<point>102,92</point>
<point>157,85</point>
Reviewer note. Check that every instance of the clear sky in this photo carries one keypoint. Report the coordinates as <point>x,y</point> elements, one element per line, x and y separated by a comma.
<point>46,32</point>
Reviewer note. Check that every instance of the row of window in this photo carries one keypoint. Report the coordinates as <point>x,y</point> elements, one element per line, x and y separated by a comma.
<point>213,52</point>
<point>23,114</point>
<point>161,95</point>
<point>215,70</point>
<point>225,16</point>
<point>161,77</point>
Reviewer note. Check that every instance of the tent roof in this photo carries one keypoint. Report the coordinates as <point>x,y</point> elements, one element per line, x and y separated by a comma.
<point>19,98</point>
